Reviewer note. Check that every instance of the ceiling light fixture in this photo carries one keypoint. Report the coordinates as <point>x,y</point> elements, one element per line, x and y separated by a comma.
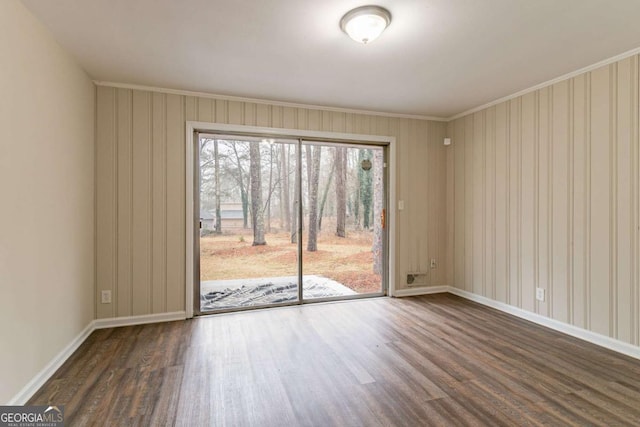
<point>365,24</point>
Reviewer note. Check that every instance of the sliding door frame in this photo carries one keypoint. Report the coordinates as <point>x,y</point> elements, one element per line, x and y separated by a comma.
<point>193,128</point>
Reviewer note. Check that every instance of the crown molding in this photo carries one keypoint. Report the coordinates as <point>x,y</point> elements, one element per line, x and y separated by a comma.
<point>265,101</point>
<point>562,78</point>
<point>547,83</point>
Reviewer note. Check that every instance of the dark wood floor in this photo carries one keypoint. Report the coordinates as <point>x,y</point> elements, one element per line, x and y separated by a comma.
<point>432,360</point>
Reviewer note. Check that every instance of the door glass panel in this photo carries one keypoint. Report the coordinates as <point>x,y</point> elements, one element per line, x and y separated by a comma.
<point>343,197</point>
<point>247,210</point>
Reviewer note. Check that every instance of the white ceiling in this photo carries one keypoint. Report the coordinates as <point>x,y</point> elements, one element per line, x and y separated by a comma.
<point>438,57</point>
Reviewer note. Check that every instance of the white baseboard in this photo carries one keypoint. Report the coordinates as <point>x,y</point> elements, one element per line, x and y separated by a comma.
<point>41,377</point>
<point>574,331</point>
<point>423,290</point>
<point>38,381</point>
<point>115,322</point>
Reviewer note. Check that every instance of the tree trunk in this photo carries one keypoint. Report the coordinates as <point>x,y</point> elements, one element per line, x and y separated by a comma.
<point>358,200</point>
<point>243,190</point>
<point>296,196</point>
<point>325,193</point>
<point>309,161</point>
<point>378,205</point>
<point>257,211</point>
<point>270,188</point>
<point>365,189</point>
<point>312,244</point>
<point>216,172</point>
<point>284,187</point>
<point>341,191</point>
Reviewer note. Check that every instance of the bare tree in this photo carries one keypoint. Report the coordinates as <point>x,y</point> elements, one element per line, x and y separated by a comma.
<point>325,193</point>
<point>273,185</point>
<point>358,193</point>
<point>379,219</point>
<point>271,188</point>
<point>309,161</point>
<point>243,190</point>
<point>282,188</point>
<point>296,196</point>
<point>284,185</point>
<point>314,170</point>
<point>365,190</point>
<point>341,190</point>
<point>218,227</point>
<point>257,210</point>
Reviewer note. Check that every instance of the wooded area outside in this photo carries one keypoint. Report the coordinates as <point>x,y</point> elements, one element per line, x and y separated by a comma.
<point>249,188</point>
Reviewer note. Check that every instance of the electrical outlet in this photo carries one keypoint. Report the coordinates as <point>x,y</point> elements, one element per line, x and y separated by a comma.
<point>540,294</point>
<point>433,263</point>
<point>105,297</point>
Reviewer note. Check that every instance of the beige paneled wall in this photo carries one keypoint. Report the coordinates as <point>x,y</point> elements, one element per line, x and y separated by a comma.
<point>141,199</point>
<point>543,192</point>
<point>46,198</point>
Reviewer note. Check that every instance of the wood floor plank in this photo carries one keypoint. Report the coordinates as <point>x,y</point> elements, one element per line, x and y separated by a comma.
<point>436,360</point>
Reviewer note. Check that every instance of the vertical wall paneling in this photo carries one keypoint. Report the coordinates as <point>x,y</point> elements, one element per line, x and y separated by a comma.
<point>625,197</point>
<point>403,234</point>
<point>613,199</point>
<point>515,205</point>
<point>436,189</point>
<point>500,206</point>
<point>579,232</point>
<point>571,201</point>
<point>415,252</point>
<point>450,200</point>
<point>436,203</point>
<point>588,196</point>
<point>235,113</point>
<point>159,205</point>
<point>314,120</point>
<point>175,214</point>
<point>439,246</point>
<point>621,256</point>
<point>222,111</point>
<point>289,118</point>
<point>191,107</point>
<point>527,201</point>
<point>488,236</point>
<point>543,199</point>
<point>302,119</point>
<point>600,203</point>
<point>205,109</point>
<point>263,115</point>
<point>141,201</point>
<point>140,175</point>
<point>338,122</point>
<point>552,201</point>
<point>428,249</point>
<point>635,197</point>
<point>124,138</point>
<point>106,198</point>
<point>559,224</point>
<point>478,213</point>
<point>459,207</point>
<point>469,203</point>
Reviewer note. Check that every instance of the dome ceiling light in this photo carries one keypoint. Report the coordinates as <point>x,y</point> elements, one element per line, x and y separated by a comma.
<point>365,24</point>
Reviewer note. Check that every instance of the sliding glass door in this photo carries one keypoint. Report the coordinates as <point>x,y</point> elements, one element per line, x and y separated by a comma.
<point>344,240</point>
<point>287,221</point>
